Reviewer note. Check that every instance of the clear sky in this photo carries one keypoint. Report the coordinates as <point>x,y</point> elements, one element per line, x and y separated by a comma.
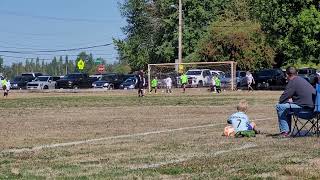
<point>32,25</point>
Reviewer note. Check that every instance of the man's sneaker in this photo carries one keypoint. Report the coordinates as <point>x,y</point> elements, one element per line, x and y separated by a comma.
<point>283,135</point>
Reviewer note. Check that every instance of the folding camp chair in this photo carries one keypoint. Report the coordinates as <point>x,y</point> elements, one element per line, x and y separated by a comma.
<point>303,123</point>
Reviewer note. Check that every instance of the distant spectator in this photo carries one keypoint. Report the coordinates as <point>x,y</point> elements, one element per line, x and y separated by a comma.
<point>154,85</point>
<point>168,81</point>
<point>141,83</point>
<point>250,80</point>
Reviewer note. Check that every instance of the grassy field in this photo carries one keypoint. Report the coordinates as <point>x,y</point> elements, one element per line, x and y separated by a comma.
<point>116,135</point>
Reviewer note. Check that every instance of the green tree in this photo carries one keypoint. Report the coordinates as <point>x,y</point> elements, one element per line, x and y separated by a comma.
<point>289,29</point>
<point>152,30</point>
<point>37,67</point>
<point>242,42</point>
<point>60,66</point>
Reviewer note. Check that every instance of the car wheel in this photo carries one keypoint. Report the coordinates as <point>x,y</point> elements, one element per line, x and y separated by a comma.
<point>110,87</point>
<point>75,87</point>
<point>200,84</point>
<point>45,87</point>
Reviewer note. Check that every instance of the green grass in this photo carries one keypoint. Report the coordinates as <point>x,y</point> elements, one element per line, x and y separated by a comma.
<point>116,101</point>
<point>116,159</point>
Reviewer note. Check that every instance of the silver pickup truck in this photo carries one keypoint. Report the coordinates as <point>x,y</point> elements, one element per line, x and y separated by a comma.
<point>43,82</point>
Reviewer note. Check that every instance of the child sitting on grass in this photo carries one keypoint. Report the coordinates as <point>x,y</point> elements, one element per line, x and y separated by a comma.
<point>241,126</point>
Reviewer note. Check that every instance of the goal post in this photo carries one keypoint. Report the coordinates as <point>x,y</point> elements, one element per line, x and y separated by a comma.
<point>199,73</point>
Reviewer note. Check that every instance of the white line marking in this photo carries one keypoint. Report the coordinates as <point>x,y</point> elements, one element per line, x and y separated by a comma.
<point>149,166</point>
<point>37,148</point>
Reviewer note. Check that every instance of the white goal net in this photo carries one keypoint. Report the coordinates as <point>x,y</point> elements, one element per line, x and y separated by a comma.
<point>199,74</point>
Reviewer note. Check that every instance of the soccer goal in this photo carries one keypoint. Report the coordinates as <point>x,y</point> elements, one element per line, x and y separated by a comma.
<point>199,74</point>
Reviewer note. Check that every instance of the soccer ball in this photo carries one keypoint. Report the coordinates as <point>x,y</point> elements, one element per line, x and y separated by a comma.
<point>229,131</point>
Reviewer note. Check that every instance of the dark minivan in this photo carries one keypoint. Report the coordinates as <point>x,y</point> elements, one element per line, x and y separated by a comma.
<point>270,79</point>
<point>20,82</point>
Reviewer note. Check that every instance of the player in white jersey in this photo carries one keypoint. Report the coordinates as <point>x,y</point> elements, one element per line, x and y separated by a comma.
<point>168,81</point>
<point>250,80</point>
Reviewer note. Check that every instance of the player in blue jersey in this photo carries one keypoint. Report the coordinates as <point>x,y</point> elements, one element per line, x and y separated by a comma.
<point>240,121</point>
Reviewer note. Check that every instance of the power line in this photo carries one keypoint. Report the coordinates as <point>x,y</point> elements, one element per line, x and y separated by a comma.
<point>58,18</point>
<point>36,47</point>
<point>59,50</point>
<point>32,53</point>
<point>46,59</point>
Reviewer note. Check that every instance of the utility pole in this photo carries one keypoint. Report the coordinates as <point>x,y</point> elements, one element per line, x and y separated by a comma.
<point>180,32</point>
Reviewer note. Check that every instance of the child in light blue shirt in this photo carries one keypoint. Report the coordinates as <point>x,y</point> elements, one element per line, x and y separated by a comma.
<point>239,120</point>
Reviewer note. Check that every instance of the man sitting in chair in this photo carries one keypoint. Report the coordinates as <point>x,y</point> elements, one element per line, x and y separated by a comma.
<point>298,95</point>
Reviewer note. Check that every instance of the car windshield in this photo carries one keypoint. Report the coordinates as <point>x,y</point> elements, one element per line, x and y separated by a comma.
<point>27,75</point>
<point>215,73</point>
<point>194,73</point>
<point>129,80</point>
<point>71,76</point>
<point>41,78</point>
<point>107,78</point>
<point>265,73</point>
<point>19,78</point>
<point>303,71</point>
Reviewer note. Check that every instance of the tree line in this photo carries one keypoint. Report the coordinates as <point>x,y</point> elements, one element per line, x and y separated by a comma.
<point>60,66</point>
<point>255,33</point>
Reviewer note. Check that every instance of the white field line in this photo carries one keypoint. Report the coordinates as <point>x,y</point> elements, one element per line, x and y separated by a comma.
<point>37,148</point>
<point>213,154</point>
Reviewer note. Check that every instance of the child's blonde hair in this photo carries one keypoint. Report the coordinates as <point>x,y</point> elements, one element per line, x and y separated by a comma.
<point>242,106</point>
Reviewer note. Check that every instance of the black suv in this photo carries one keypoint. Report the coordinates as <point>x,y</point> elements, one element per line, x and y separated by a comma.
<point>270,79</point>
<point>74,81</point>
<point>109,81</point>
<point>309,74</point>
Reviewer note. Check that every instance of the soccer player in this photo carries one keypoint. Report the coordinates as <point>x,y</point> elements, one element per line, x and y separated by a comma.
<point>184,81</point>
<point>240,121</point>
<point>213,87</point>
<point>218,84</point>
<point>4,86</point>
<point>154,85</point>
<point>168,81</point>
<point>141,83</point>
<point>250,80</point>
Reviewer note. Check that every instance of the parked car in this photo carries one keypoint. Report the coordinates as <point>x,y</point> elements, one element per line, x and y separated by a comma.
<point>241,79</point>
<point>96,77</point>
<point>31,75</point>
<point>129,83</point>
<point>309,74</point>
<point>217,73</point>
<point>199,77</point>
<point>74,81</point>
<point>110,81</point>
<point>270,79</point>
<point>43,82</point>
<point>163,76</point>
<point>19,82</point>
